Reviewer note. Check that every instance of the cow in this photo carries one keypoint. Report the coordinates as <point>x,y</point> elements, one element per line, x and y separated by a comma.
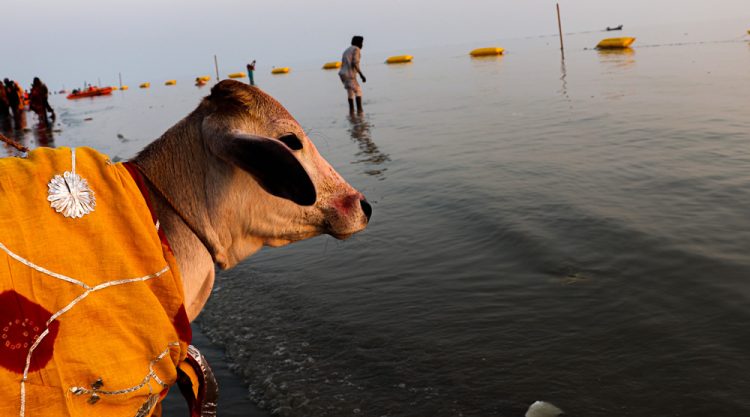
<point>248,177</point>
<point>104,277</point>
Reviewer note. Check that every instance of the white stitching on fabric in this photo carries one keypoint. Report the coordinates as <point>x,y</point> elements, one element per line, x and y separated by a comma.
<point>95,392</point>
<point>65,309</point>
<point>41,269</point>
<point>70,194</point>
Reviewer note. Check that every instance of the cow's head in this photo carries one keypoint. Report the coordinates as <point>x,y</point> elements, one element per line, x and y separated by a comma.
<point>270,184</point>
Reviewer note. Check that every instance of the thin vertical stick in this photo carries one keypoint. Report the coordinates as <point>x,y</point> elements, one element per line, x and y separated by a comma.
<point>559,27</point>
<point>216,64</point>
<point>119,74</point>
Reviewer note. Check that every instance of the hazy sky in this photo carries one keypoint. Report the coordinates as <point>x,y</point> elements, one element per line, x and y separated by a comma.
<point>68,41</point>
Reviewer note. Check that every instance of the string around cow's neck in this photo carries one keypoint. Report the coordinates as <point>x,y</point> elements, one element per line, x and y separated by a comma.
<point>196,231</point>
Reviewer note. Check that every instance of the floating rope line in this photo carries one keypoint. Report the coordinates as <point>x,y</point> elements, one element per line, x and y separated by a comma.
<point>691,43</point>
<point>736,40</point>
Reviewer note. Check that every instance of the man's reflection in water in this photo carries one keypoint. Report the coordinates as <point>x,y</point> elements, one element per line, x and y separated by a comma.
<point>43,135</point>
<point>7,130</point>
<point>39,135</point>
<point>369,153</point>
<point>6,125</point>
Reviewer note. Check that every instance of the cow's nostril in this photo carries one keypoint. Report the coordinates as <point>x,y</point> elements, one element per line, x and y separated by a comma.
<point>366,207</point>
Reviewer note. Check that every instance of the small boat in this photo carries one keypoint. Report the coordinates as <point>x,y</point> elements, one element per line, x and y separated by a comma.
<point>609,29</point>
<point>90,92</point>
<point>200,82</point>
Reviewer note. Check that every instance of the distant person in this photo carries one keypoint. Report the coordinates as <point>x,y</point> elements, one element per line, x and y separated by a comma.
<point>4,105</point>
<point>39,101</point>
<point>250,69</point>
<point>348,73</point>
<point>15,101</point>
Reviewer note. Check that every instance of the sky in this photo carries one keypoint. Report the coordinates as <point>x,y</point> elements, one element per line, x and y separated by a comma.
<point>65,42</point>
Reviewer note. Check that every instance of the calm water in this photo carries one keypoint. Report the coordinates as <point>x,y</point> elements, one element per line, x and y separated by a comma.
<point>571,233</point>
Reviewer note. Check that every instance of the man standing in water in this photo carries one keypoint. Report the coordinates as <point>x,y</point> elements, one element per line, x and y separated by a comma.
<point>250,70</point>
<point>39,101</point>
<point>348,73</point>
<point>14,93</point>
<point>4,105</point>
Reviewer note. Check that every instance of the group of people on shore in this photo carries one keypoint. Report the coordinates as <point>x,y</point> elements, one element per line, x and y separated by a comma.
<point>13,98</point>
<point>13,102</point>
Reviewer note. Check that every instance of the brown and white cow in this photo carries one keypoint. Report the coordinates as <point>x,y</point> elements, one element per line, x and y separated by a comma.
<point>239,173</point>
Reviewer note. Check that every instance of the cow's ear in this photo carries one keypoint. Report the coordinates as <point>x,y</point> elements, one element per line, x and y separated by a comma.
<point>269,161</point>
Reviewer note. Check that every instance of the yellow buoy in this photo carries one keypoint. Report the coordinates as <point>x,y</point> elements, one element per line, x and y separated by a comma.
<point>332,65</point>
<point>399,59</point>
<point>204,78</point>
<point>124,87</point>
<point>170,82</point>
<point>145,85</point>
<point>615,43</point>
<point>487,51</point>
<point>114,88</point>
<point>282,70</point>
<point>237,75</point>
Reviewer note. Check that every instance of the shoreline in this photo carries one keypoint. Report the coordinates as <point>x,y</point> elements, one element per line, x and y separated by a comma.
<point>233,401</point>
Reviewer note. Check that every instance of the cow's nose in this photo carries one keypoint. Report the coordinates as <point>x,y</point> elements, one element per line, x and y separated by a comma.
<point>366,207</point>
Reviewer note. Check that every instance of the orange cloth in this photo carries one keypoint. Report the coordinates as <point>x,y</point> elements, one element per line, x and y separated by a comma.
<point>131,336</point>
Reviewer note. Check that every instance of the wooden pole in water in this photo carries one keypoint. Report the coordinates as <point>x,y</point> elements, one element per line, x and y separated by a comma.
<point>216,64</point>
<point>559,28</point>
<point>119,74</point>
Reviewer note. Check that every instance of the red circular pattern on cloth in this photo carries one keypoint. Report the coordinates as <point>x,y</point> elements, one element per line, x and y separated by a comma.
<point>22,321</point>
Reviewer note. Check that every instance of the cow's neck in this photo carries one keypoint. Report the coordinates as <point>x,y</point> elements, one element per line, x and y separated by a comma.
<point>194,260</point>
<point>175,166</point>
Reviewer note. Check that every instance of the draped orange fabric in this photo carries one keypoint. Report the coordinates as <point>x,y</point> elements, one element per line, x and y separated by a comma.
<point>91,308</point>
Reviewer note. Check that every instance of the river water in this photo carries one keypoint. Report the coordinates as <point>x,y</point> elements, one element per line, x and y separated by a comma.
<point>571,232</point>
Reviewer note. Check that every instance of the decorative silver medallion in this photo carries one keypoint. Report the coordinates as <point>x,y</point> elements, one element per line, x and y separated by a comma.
<point>70,194</point>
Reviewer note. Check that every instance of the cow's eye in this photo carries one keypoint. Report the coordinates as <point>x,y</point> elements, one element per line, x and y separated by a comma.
<point>292,141</point>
